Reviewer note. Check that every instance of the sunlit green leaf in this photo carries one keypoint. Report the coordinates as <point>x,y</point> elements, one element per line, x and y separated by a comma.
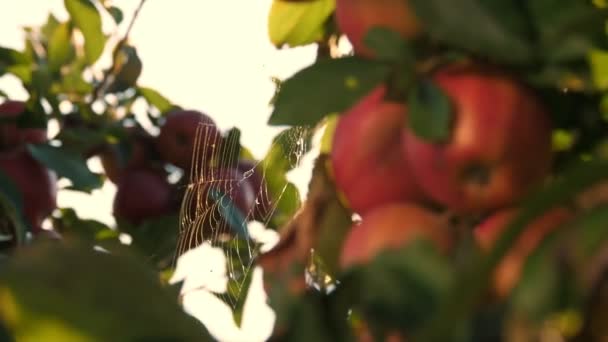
<point>298,23</point>
<point>155,99</point>
<point>60,50</point>
<point>599,65</point>
<point>85,16</point>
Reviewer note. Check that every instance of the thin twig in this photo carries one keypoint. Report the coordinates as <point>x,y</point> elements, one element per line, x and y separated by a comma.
<point>135,15</point>
<point>115,68</point>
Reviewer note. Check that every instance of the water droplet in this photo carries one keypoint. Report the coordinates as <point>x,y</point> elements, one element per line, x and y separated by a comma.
<point>248,173</point>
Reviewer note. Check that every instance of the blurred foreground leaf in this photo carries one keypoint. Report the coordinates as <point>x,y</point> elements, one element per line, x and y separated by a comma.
<point>85,295</point>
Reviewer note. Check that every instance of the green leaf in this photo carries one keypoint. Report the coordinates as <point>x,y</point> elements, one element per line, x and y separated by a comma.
<point>598,60</point>
<point>34,115</point>
<point>87,230</point>
<point>73,288</point>
<point>70,166</point>
<point>41,80</point>
<point>401,289</point>
<point>429,112</point>
<point>49,27</point>
<point>237,294</point>
<point>495,29</point>
<point>306,324</point>
<point>155,239</point>
<point>13,206</point>
<point>72,82</point>
<point>85,16</point>
<point>387,45</point>
<point>285,153</point>
<point>10,58</point>
<point>298,23</point>
<point>22,72</point>
<point>60,49</point>
<point>592,231</point>
<point>329,86</point>
<point>548,283</point>
<point>567,30</point>
<point>155,99</point>
<point>335,221</point>
<point>116,14</point>
<point>130,69</point>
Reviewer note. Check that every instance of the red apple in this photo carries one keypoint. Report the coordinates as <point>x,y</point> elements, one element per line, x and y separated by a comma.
<point>499,147</point>
<point>142,194</point>
<point>142,151</point>
<point>225,184</point>
<point>10,134</point>
<point>38,185</point>
<point>367,163</point>
<point>356,17</point>
<point>508,272</point>
<point>255,175</point>
<point>392,226</point>
<point>178,139</point>
<point>202,207</point>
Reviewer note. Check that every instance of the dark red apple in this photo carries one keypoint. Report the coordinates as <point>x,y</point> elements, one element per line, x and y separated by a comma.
<point>142,194</point>
<point>10,134</point>
<point>508,272</point>
<point>224,184</point>
<point>205,208</point>
<point>253,173</point>
<point>178,138</point>
<point>392,226</point>
<point>142,146</point>
<point>356,17</point>
<point>499,147</point>
<point>368,165</point>
<point>38,185</point>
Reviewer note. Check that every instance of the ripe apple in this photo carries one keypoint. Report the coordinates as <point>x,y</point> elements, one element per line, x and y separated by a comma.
<point>356,17</point>
<point>508,272</point>
<point>142,146</point>
<point>367,163</point>
<point>499,147</point>
<point>142,194</point>
<point>204,206</point>
<point>178,139</point>
<point>225,183</point>
<point>37,184</point>
<point>263,201</point>
<point>10,134</point>
<point>391,226</point>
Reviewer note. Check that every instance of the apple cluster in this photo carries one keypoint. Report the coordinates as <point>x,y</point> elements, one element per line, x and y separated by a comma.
<point>191,141</point>
<point>33,180</point>
<point>402,185</point>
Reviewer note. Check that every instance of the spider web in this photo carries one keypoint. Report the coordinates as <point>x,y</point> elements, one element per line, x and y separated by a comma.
<point>215,207</point>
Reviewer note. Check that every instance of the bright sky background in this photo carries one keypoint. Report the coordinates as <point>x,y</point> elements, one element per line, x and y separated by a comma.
<point>209,55</point>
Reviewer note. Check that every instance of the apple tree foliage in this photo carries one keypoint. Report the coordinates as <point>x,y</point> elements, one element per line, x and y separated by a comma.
<point>68,289</point>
